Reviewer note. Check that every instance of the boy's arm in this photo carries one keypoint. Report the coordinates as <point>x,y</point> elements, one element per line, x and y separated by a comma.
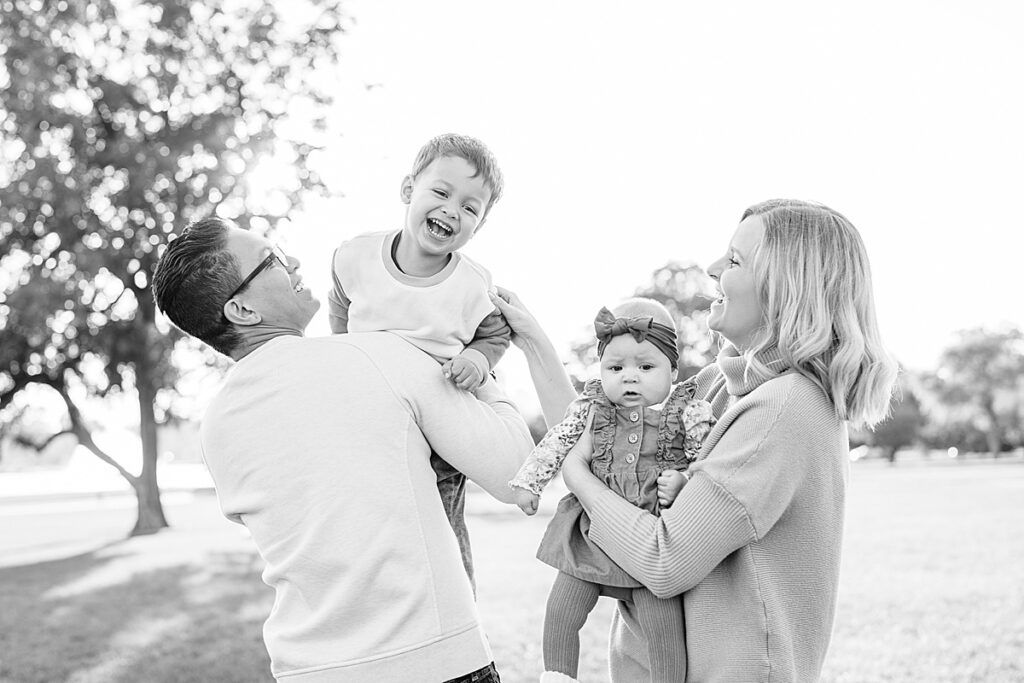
<point>489,343</point>
<point>337,305</point>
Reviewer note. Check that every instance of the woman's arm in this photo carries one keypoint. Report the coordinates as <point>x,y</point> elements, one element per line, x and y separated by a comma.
<point>549,377</point>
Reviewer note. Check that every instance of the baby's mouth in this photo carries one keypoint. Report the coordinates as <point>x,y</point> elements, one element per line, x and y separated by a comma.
<point>439,229</point>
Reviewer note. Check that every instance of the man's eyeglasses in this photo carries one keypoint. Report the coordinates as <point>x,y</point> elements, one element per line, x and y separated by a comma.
<point>275,255</point>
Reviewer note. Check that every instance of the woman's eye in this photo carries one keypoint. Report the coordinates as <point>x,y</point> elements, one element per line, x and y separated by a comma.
<point>733,262</point>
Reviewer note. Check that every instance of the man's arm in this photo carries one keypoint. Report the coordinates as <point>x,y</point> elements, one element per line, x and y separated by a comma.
<point>337,304</point>
<point>484,437</point>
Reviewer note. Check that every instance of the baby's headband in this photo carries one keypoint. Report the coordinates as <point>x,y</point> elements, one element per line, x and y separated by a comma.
<point>607,326</point>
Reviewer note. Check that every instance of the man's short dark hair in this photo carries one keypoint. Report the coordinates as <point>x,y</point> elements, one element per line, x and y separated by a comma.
<point>193,280</point>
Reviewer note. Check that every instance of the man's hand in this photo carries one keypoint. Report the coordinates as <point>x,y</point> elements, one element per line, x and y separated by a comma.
<point>463,372</point>
<point>670,483</point>
<point>526,500</point>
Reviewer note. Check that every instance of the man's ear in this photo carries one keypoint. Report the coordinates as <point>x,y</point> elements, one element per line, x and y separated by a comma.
<point>238,314</point>
<point>407,189</point>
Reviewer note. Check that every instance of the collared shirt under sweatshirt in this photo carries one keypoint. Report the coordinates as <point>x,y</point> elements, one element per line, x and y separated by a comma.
<point>752,542</point>
<point>319,446</point>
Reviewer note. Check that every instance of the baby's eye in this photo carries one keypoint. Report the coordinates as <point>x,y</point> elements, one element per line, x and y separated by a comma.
<point>615,368</point>
<point>646,366</point>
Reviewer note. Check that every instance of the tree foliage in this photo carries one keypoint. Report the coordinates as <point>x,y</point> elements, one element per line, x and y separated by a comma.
<point>119,123</point>
<point>977,391</point>
<point>686,291</point>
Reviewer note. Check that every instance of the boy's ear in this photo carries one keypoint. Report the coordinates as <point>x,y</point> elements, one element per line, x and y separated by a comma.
<point>407,189</point>
<point>241,315</point>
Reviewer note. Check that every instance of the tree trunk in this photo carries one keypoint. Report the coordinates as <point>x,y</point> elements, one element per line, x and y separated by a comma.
<point>994,435</point>
<point>151,512</point>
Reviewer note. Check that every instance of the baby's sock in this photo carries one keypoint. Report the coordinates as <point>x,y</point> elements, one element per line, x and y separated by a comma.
<point>569,603</point>
<point>662,622</point>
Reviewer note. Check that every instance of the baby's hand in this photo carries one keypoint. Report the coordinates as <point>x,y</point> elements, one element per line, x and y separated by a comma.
<point>526,500</point>
<point>463,372</point>
<point>670,483</point>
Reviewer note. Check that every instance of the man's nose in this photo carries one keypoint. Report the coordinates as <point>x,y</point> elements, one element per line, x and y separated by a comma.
<point>293,264</point>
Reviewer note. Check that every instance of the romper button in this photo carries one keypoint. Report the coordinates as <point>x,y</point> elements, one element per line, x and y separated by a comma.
<point>634,416</point>
<point>633,438</point>
<point>630,458</point>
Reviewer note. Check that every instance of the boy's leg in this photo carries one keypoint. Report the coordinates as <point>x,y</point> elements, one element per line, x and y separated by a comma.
<point>451,486</point>
<point>569,604</point>
<point>662,622</point>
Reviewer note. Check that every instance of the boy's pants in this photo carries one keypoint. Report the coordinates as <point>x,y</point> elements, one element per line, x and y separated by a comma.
<point>451,485</point>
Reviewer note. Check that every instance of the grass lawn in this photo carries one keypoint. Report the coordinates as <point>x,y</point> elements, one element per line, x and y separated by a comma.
<point>932,588</point>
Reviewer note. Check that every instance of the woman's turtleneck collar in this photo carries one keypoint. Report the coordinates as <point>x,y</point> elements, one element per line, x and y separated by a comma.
<point>738,382</point>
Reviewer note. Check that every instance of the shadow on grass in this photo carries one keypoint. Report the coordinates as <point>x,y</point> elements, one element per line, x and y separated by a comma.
<point>116,615</point>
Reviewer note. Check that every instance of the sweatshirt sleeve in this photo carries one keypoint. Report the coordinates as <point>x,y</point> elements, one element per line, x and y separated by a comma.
<point>482,436</point>
<point>337,302</point>
<point>734,497</point>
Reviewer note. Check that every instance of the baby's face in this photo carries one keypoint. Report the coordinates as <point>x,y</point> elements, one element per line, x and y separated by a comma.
<point>635,374</point>
<point>446,205</point>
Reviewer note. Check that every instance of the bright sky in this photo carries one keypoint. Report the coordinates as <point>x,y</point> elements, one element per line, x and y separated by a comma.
<point>635,133</point>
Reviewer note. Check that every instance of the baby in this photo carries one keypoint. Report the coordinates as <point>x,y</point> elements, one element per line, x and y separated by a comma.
<point>415,283</point>
<point>642,453</point>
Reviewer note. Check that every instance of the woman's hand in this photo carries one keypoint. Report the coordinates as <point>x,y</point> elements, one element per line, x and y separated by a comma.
<point>526,331</point>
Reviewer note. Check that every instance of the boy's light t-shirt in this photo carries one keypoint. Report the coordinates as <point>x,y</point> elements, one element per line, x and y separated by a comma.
<point>439,314</point>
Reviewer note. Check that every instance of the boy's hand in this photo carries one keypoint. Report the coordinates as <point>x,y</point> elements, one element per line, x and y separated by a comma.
<point>463,372</point>
<point>526,500</point>
<point>670,483</point>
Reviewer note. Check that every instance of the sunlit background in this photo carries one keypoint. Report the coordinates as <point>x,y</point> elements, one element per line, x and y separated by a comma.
<point>630,135</point>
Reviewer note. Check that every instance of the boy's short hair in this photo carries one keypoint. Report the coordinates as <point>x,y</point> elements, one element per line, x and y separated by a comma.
<point>470,149</point>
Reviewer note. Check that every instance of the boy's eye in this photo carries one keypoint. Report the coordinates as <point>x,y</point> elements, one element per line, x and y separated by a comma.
<point>470,209</point>
<point>441,193</point>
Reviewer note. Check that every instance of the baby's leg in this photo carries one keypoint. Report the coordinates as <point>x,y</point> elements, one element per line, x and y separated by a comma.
<point>662,622</point>
<point>569,604</point>
<point>451,486</point>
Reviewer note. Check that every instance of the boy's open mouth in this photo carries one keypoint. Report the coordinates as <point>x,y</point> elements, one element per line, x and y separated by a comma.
<point>439,229</point>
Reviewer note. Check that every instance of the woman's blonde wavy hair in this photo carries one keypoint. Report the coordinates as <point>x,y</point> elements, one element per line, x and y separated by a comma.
<point>819,310</point>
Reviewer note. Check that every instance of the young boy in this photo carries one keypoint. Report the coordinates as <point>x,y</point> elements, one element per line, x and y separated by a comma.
<point>415,283</point>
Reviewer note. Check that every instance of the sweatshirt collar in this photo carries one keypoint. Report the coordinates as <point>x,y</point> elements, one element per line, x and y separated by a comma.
<point>738,382</point>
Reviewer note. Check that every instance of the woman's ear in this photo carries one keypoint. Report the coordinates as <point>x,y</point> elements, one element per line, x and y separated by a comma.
<point>407,189</point>
<point>239,314</point>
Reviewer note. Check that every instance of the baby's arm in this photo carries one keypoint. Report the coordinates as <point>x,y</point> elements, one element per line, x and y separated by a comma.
<point>469,369</point>
<point>670,483</point>
<point>547,456</point>
<point>337,305</point>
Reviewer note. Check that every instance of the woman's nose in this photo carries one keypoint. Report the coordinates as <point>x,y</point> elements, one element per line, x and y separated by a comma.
<point>714,271</point>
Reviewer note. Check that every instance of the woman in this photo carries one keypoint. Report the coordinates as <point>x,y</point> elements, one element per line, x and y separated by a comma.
<point>752,543</point>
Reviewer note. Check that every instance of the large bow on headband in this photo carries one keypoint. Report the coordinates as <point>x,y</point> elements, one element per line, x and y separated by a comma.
<point>607,326</point>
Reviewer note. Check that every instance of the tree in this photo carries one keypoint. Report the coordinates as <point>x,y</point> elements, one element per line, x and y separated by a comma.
<point>902,427</point>
<point>120,122</point>
<point>979,385</point>
<point>685,290</point>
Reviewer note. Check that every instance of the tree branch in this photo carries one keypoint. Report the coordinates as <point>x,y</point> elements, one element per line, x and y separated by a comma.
<point>79,429</point>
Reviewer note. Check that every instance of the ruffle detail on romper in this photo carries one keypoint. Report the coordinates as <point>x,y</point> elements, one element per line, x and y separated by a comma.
<point>685,423</point>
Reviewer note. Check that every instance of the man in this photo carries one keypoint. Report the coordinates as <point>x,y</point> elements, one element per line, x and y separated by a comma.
<point>319,446</point>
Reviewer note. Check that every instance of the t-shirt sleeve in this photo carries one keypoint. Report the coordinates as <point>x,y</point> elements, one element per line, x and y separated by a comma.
<point>492,338</point>
<point>337,301</point>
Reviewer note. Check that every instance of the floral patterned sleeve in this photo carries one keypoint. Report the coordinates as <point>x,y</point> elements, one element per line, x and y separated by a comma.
<point>548,455</point>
